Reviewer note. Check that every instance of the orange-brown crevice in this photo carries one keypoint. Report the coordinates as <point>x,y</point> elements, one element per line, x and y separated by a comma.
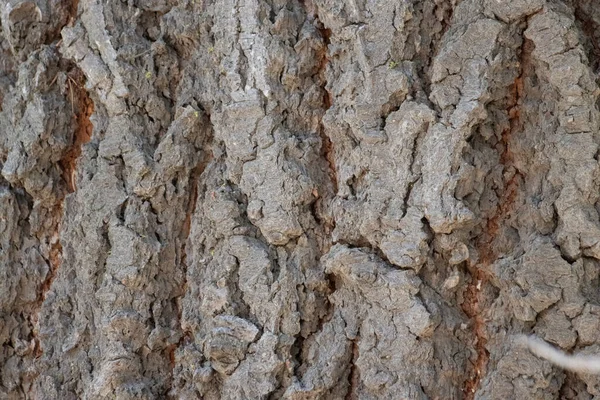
<point>474,296</point>
<point>83,108</point>
<point>54,261</point>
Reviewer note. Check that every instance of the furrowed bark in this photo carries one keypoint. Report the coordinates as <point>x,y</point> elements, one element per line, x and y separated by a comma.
<point>307,199</point>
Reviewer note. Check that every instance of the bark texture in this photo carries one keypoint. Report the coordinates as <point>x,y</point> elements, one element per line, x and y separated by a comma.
<point>298,199</point>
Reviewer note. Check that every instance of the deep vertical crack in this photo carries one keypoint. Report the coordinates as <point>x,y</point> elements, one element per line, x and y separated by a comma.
<point>327,151</point>
<point>475,293</point>
<point>54,260</point>
<point>194,180</point>
<point>589,27</point>
<point>84,108</point>
<point>353,375</point>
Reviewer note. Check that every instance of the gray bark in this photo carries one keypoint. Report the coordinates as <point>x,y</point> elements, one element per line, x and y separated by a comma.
<point>298,199</point>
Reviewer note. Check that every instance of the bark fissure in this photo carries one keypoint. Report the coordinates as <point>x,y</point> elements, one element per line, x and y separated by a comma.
<point>327,150</point>
<point>384,195</point>
<point>475,293</point>
<point>194,179</point>
<point>353,374</point>
<point>584,13</point>
<point>80,107</point>
<point>83,107</point>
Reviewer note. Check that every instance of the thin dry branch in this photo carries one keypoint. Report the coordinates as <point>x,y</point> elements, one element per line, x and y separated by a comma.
<point>576,363</point>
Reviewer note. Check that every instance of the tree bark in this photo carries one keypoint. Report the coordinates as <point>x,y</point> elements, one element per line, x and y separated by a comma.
<point>298,199</point>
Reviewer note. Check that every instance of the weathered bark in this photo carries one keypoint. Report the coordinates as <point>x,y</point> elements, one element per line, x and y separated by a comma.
<point>298,199</point>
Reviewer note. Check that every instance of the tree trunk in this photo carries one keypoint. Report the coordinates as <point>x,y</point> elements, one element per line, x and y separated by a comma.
<point>298,199</point>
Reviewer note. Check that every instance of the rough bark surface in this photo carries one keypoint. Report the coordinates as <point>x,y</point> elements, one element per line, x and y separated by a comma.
<point>298,199</point>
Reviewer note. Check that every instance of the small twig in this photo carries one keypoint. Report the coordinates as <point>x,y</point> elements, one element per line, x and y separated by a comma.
<point>71,83</point>
<point>141,54</point>
<point>576,363</point>
<point>53,80</point>
<point>71,90</point>
<point>74,81</point>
